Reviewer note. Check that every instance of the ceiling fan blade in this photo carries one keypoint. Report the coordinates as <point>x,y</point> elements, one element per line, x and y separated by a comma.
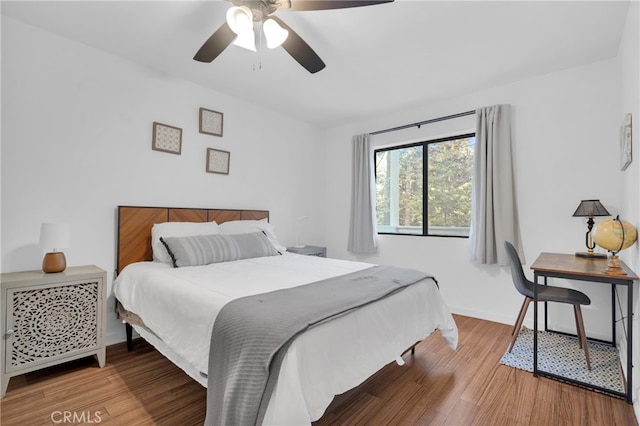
<point>300,5</point>
<point>300,50</point>
<point>214,46</point>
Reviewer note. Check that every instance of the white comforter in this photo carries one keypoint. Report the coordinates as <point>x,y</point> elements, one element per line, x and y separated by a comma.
<point>180,305</point>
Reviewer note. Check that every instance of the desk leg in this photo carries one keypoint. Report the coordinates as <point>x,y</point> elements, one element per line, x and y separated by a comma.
<point>629,341</point>
<point>546,310</point>
<point>535,326</point>
<point>613,315</point>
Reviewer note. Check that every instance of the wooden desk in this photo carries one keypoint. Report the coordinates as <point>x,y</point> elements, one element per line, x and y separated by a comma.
<point>572,267</point>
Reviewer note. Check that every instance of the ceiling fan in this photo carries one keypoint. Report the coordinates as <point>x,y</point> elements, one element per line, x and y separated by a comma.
<point>238,28</point>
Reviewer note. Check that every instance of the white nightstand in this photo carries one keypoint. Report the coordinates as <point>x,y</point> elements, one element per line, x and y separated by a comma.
<point>309,251</point>
<point>49,319</point>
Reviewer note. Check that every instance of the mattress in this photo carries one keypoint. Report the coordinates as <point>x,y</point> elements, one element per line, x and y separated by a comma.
<point>179,306</point>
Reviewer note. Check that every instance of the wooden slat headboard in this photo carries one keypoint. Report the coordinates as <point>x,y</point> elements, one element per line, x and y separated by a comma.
<point>134,226</point>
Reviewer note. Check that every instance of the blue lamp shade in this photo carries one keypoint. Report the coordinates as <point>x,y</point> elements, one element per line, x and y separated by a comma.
<point>54,236</point>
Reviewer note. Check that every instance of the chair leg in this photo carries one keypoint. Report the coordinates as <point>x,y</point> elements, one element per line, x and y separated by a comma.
<point>523,310</point>
<point>582,334</point>
<point>519,321</point>
<point>578,330</point>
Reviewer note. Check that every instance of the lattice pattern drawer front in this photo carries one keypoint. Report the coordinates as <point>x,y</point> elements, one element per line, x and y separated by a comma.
<point>53,321</point>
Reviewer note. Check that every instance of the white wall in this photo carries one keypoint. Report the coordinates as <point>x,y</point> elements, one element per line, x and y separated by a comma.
<point>629,180</point>
<point>565,129</point>
<point>629,64</point>
<point>562,124</point>
<point>76,143</point>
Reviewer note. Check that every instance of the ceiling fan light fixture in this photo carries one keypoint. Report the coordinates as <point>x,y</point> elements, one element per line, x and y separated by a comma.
<point>240,19</point>
<point>246,40</point>
<point>274,33</point>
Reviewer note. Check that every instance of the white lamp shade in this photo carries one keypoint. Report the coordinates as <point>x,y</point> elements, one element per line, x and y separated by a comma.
<point>274,33</point>
<point>55,235</point>
<point>246,40</point>
<point>240,19</point>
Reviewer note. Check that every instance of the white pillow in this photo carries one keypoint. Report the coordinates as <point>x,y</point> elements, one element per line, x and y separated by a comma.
<point>177,229</point>
<point>249,226</point>
<point>197,250</point>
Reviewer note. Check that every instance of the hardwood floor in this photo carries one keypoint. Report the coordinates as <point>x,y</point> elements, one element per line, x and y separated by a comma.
<point>435,387</point>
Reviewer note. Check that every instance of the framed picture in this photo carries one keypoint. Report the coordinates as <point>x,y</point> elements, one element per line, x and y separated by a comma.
<point>625,142</point>
<point>211,122</point>
<point>167,138</point>
<point>218,161</point>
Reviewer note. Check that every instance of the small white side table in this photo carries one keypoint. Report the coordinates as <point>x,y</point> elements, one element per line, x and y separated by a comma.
<point>48,319</point>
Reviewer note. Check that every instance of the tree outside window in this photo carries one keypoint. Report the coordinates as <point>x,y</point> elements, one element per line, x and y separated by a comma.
<point>431,176</point>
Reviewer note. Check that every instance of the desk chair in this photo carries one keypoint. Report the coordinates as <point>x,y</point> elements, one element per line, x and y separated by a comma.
<point>546,293</point>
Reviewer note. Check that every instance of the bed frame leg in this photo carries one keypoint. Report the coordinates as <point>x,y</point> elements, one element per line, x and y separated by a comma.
<point>411,348</point>
<point>129,331</point>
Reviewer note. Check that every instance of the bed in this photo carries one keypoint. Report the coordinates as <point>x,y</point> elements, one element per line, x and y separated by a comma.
<point>175,308</point>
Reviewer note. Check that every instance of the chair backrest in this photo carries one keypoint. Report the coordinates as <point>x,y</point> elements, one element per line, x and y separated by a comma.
<point>523,285</point>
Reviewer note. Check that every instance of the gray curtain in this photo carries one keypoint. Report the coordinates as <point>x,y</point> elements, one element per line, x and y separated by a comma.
<point>363,237</point>
<point>494,211</point>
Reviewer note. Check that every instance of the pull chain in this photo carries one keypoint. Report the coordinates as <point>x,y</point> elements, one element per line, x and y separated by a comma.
<point>259,48</point>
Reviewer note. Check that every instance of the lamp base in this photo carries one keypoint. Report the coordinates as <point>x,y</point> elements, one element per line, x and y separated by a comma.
<point>613,266</point>
<point>591,255</point>
<point>54,262</point>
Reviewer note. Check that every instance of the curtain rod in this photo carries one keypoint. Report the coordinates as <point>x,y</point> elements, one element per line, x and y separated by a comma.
<point>433,120</point>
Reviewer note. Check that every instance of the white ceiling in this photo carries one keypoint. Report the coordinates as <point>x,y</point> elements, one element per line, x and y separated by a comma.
<point>379,58</point>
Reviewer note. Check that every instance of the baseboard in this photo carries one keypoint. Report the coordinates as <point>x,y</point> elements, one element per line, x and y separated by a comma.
<point>487,316</point>
<point>115,337</point>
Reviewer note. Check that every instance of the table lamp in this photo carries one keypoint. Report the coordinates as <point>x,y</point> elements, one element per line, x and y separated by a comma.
<point>54,236</point>
<point>589,209</point>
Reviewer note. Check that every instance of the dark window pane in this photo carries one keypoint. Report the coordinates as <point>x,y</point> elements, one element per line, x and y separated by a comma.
<point>399,190</point>
<point>401,196</point>
<point>449,194</point>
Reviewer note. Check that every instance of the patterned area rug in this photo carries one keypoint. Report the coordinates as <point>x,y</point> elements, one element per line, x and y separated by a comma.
<point>561,355</point>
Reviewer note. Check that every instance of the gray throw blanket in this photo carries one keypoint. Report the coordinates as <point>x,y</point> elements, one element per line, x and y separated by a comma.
<point>251,336</point>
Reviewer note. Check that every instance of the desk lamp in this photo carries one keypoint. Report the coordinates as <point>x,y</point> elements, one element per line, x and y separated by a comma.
<point>589,209</point>
<point>54,236</point>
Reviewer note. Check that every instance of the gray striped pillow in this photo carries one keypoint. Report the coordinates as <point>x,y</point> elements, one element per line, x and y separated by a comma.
<point>205,249</point>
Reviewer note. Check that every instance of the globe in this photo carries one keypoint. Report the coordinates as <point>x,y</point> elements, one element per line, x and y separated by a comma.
<point>614,234</point>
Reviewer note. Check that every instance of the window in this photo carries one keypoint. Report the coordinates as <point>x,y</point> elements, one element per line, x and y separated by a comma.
<point>425,188</point>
